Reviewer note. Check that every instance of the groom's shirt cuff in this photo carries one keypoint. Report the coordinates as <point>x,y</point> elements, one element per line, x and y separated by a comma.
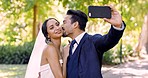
<point>122,27</point>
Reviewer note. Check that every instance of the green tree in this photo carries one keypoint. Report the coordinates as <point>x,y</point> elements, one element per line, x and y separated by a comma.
<point>14,25</point>
<point>25,15</point>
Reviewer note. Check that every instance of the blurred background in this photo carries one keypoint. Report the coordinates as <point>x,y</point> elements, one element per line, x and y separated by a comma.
<point>20,21</point>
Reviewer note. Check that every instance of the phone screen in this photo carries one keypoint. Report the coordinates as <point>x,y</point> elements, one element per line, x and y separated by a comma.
<point>99,12</point>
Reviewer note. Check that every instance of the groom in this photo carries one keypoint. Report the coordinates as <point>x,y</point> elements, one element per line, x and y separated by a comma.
<point>86,51</point>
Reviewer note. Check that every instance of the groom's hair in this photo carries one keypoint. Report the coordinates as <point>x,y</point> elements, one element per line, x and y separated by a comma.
<point>44,28</point>
<point>78,16</point>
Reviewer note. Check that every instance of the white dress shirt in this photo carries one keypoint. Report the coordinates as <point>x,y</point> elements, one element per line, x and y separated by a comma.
<point>79,37</point>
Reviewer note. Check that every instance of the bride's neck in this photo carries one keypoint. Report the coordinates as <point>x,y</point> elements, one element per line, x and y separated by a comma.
<point>56,43</point>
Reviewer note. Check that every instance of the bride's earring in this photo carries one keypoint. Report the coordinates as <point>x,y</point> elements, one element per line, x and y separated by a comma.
<point>48,41</point>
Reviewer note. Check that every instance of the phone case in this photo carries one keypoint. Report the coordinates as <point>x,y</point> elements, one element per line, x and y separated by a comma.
<point>99,12</point>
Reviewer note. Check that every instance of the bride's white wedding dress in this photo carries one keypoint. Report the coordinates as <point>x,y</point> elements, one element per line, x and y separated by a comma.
<point>46,72</point>
<point>34,68</point>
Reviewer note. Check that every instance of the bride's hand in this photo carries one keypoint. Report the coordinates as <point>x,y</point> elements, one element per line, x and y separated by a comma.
<point>65,55</point>
<point>66,51</point>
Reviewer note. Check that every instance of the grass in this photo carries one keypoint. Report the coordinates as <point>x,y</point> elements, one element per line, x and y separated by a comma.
<point>12,71</point>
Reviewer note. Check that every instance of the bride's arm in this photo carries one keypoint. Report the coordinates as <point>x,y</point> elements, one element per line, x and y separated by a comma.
<point>65,55</point>
<point>53,60</point>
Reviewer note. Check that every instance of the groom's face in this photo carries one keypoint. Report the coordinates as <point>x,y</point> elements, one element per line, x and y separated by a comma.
<point>67,26</point>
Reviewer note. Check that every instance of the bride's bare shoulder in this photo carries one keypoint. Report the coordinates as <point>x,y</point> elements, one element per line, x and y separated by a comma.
<point>49,49</point>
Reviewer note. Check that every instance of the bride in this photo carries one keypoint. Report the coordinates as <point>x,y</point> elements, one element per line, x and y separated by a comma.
<point>46,59</point>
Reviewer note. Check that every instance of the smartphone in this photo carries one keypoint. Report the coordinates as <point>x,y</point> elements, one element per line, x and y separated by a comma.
<point>99,12</point>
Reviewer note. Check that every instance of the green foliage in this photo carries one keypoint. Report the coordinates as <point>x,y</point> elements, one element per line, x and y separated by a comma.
<point>108,57</point>
<point>113,55</point>
<point>5,4</point>
<point>127,50</point>
<point>43,7</point>
<point>20,54</point>
<point>13,8</point>
<point>29,5</point>
<point>14,24</point>
<point>131,15</point>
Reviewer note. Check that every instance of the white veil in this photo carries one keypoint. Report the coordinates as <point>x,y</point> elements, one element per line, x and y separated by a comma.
<point>33,67</point>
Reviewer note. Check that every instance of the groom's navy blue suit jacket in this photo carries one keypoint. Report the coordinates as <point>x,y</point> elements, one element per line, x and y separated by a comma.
<point>86,62</point>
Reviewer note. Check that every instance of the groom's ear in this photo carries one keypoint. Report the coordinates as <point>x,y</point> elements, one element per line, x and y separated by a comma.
<point>76,24</point>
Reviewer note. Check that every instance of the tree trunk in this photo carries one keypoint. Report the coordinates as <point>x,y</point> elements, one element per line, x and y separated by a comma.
<point>142,46</point>
<point>34,21</point>
<point>146,44</point>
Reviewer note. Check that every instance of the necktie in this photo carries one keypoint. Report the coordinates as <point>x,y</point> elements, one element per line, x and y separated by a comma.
<point>71,46</point>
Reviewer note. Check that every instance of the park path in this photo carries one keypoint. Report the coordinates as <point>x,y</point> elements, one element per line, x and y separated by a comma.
<point>135,69</point>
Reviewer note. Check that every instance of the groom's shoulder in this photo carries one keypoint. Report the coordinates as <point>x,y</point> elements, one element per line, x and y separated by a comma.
<point>91,36</point>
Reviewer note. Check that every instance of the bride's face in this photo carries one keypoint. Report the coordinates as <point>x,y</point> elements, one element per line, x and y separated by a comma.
<point>54,29</point>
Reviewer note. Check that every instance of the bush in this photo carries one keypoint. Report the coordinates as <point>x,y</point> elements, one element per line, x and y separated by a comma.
<point>113,55</point>
<point>10,54</point>
<point>108,57</point>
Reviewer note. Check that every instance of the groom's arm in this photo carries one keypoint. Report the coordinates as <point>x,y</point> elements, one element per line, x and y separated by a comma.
<point>106,42</point>
<point>109,40</point>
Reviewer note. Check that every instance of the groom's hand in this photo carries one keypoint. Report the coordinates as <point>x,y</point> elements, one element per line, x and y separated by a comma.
<point>116,19</point>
